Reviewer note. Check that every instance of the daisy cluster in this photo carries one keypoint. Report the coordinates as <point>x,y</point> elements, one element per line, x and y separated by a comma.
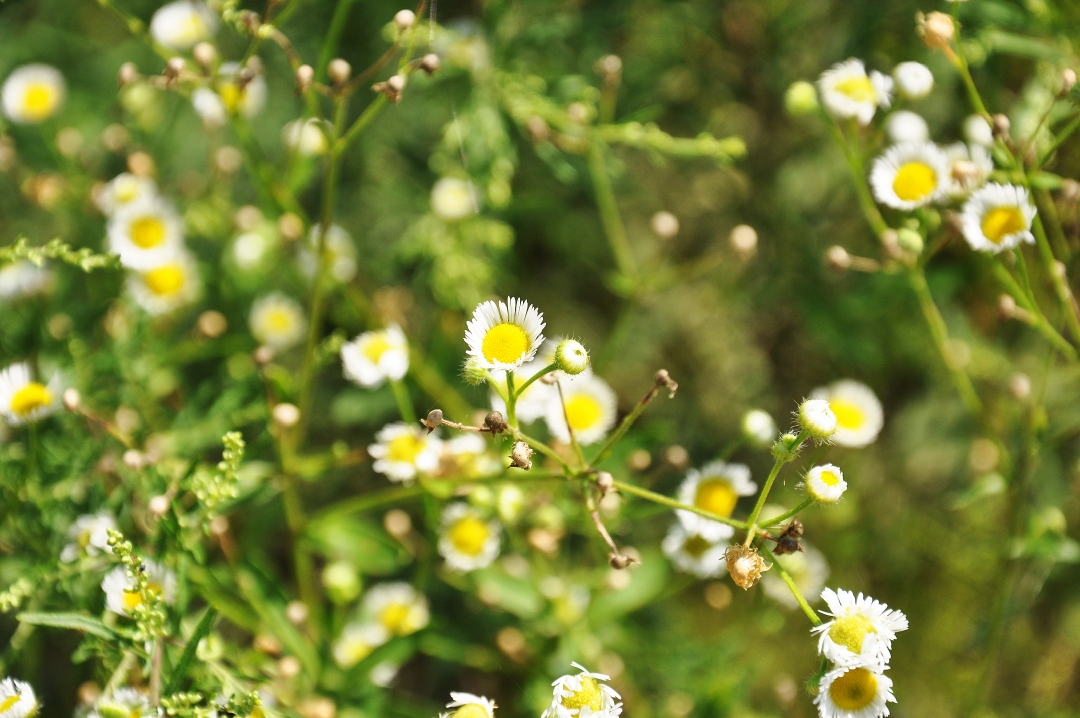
<point>386,611</point>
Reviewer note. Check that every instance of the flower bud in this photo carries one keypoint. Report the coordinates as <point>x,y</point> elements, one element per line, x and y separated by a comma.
<point>473,373</point>
<point>430,64</point>
<point>297,612</point>
<point>665,225</point>
<point>286,415</point>
<point>339,71</point>
<point>127,74</point>
<point>825,484</point>
<point>404,19</point>
<point>977,131</point>
<point>786,447</point>
<point>1068,79</point>
<point>936,29</point>
<point>159,505</point>
<point>521,455</point>
<point>205,54</point>
<point>433,420</point>
<point>909,240</point>
<point>758,428</point>
<point>817,419</point>
<point>305,75</point>
<point>838,257</point>
<point>174,67</point>
<point>800,98</point>
<point>495,422</point>
<point>341,582</point>
<point>71,399</point>
<point>571,357</point>
<point>1001,126</point>
<point>212,324</point>
<point>1020,386</point>
<point>745,565</point>
<point>744,240</point>
<point>604,481</point>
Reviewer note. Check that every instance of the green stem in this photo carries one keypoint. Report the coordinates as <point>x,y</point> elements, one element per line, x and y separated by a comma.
<point>656,498</point>
<point>1038,320</point>
<point>404,402</point>
<point>814,618</point>
<point>787,514</point>
<point>1059,141</point>
<point>858,177</point>
<point>511,401</point>
<point>333,36</point>
<point>534,377</point>
<point>777,465</point>
<point>543,449</point>
<point>362,121</point>
<point>1059,282</point>
<point>1048,209</point>
<point>624,426</point>
<point>609,211</point>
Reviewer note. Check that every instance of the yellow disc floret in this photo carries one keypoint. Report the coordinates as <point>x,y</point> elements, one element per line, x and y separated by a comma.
<point>505,343</point>
<point>854,690</point>
<point>8,703</point>
<point>375,347</point>
<point>165,280</point>
<point>849,415</point>
<point>696,546</point>
<point>914,181</point>
<point>30,397</point>
<point>588,695</point>
<point>147,232</point>
<point>1000,222</point>
<point>716,496</point>
<point>859,89</point>
<point>468,534</point>
<point>38,101</point>
<point>395,617</point>
<point>850,631</point>
<point>470,710</point>
<point>828,478</point>
<point>405,448</point>
<point>583,411</point>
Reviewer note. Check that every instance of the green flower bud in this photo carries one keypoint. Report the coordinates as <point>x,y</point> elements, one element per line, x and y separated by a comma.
<point>473,373</point>
<point>341,581</point>
<point>909,240</point>
<point>800,99</point>
<point>571,357</point>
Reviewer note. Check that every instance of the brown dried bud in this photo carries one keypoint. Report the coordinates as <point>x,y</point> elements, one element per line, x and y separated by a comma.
<point>339,71</point>
<point>1001,126</point>
<point>430,64</point>
<point>174,67</point>
<point>620,561</point>
<point>433,420</point>
<point>745,565</point>
<point>788,540</point>
<point>305,75</point>
<point>521,456</point>
<point>605,482</point>
<point>838,257</point>
<point>495,422</point>
<point>664,379</point>
<point>265,643</point>
<point>127,74</point>
<point>205,54</point>
<point>936,29</point>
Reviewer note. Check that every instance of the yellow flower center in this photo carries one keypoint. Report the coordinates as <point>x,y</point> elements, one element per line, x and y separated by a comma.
<point>471,710</point>
<point>38,101</point>
<point>165,280</point>
<point>849,415</point>
<point>505,343</point>
<point>133,599</point>
<point>279,320</point>
<point>30,397</point>
<point>849,631</point>
<point>588,695</point>
<point>126,190</point>
<point>375,347</point>
<point>716,496</point>
<point>468,535</point>
<point>829,479</point>
<point>914,181</point>
<point>395,618</point>
<point>854,690</point>
<point>405,448</point>
<point>1000,222</point>
<point>147,232</point>
<point>353,652</point>
<point>8,703</point>
<point>232,96</point>
<point>583,411</point>
<point>858,88</point>
<point>696,546</point>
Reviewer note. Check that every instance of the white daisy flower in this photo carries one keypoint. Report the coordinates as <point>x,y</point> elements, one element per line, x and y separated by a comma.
<point>693,553</point>
<point>910,175</point>
<point>17,699</point>
<point>977,131</point>
<point>591,407</point>
<point>468,705</point>
<point>583,695</point>
<point>126,702</point>
<point>759,428</point>
<point>452,199</point>
<point>167,286</point>
<point>277,321</point>
<point>32,94</point>
<point>120,594</point>
<point>848,92</point>
<point>861,631</point>
<point>23,400</point>
<point>122,190</point>
<point>825,484</point>
<point>854,692</point>
<point>467,541</point>
<point>807,568</point>
<point>913,80</point>
<point>249,249</point>
<point>970,166</point>
<point>247,100</point>
<point>998,217</point>
<point>398,607</point>
<point>404,450</point>
<point>906,126</point>
<point>817,419</point>
<point>145,233</point>
<point>467,455</point>
<point>357,641</point>
<point>340,251</point>
<point>716,488</point>
<point>858,413</point>
<point>180,25</point>
<point>504,335</point>
<point>305,137</point>
<point>23,278</point>
<point>532,404</point>
<point>210,108</point>
<point>373,357</point>
<point>89,535</point>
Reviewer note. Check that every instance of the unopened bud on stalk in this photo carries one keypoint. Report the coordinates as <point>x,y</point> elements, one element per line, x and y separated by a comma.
<point>744,240</point>
<point>786,447</point>
<point>817,419</point>
<point>521,456</point>
<point>473,373</point>
<point>1068,79</point>
<point>936,29</point>
<point>605,482</point>
<point>249,20</point>
<point>1001,126</point>
<point>205,54</point>
<point>745,565</point>
<point>433,420</point>
<point>305,75</point>
<point>127,74</point>
<point>430,63</point>
<point>1006,306</point>
<point>609,67</point>
<point>297,612</point>
<point>1020,386</point>
<point>134,459</point>
<point>159,505</point>
<point>838,257</point>
<point>571,357</point>
<point>263,355</point>
<point>71,399</point>
<point>909,240</point>
<point>620,561</point>
<point>800,98</point>
<point>341,581</point>
<point>174,67</point>
<point>665,225</point>
<point>538,128</point>
<point>212,324</point>
<point>291,226</point>
<point>286,415</point>
<point>495,422</point>
<point>404,19</point>
<point>339,71</point>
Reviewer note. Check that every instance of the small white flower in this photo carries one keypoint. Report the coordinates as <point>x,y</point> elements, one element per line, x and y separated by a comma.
<point>807,568</point>
<point>452,199</point>
<point>913,80</point>
<point>23,278</point>
<point>716,489</point>
<point>693,553</point>
<point>17,699</point>
<point>906,126</point>
<point>759,428</point>
<point>468,705</point>
<point>977,131</point>
<point>210,108</point>
<point>120,594</point>
<point>247,100</point>
<point>122,190</point>
<point>23,400</point>
<point>910,175</point>
<point>32,94</point>
<point>250,249</point>
<point>357,641</point>
<point>126,702</point>
<point>89,535</point>
<point>467,456</point>
<point>397,607</point>
<point>817,419</point>
<point>858,413</point>
<point>180,25</point>
<point>583,695</point>
<point>277,321</point>
<point>998,217</point>
<point>848,92</point>
<point>571,357</point>
<point>305,137</point>
<point>504,335</point>
<point>467,541</point>
<point>404,450</point>
<point>825,484</point>
<point>590,406</point>
<point>970,166</point>
<point>168,286</point>
<point>854,692</point>
<point>145,233</point>
<point>373,357</point>
<point>861,631</point>
<point>339,251</point>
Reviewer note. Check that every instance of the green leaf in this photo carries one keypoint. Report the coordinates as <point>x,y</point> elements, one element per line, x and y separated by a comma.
<point>201,631</point>
<point>73,621</point>
<point>362,543</point>
<point>647,581</point>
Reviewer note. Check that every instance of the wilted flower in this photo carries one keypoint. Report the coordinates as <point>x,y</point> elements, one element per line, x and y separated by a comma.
<point>744,565</point>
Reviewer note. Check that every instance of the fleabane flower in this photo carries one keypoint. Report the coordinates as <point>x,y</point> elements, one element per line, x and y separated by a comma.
<point>583,695</point>
<point>910,175</point>
<point>32,94</point>
<point>807,568</point>
<point>373,357</point>
<point>402,451</point>
<point>180,25</point>
<point>913,80</point>
<point>858,413</point>
<point>861,631</point>
<point>906,126</point>
<point>759,428</point>
<point>121,594</point>
<point>89,535</point>
<point>357,641</point>
<point>122,190</point>
<point>468,705</point>
<point>693,553</point>
<point>339,253</point>
<point>716,488</point>
<point>397,607</point>
<point>998,217</point>
<point>817,419</point>
<point>590,406</point>
<point>243,98</point>
<point>969,168</point>
<point>167,286</point>
<point>277,321</point>
<point>23,278</point>
<point>23,400</point>
<point>504,335</point>
<point>848,92</point>
<point>123,702</point>
<point>305,137</point>
<point>467,540</point>
<point>854,692</point>
<point>145,232</point>
<point>825,484</point>
<point>452,199</point>
<point>17,699</point>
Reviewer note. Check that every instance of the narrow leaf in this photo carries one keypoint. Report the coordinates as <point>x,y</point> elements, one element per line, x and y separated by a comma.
<point>73,621</point>
<point>201,632</point>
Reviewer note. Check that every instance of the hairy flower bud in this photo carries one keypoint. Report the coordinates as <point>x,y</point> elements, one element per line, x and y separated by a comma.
<point>473,372</point>
<point>817,419</point>
<point>305,75</point>
<point>825,484</point>
<point>339,71</point>
<point>786,447</point>
<point>430,63</point>
<point>571,357</point>
<point>521,455</point>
